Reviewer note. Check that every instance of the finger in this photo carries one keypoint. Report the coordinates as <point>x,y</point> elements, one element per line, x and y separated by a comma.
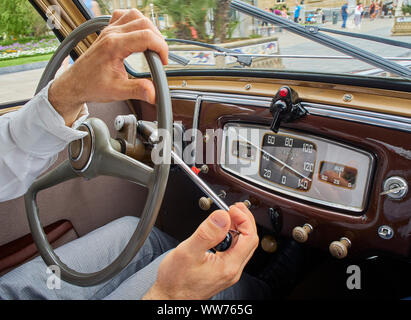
<point>127,16</point>
<point>116,15</point>
<point>247,241</point>
<point>137,24</point>
<point>243,208</point>
<point>243,222</point>
<point>211,232</point>
<point>140,41</point>
<point>139,89</point>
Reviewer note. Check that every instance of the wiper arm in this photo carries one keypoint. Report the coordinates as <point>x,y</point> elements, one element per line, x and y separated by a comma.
<point>391,42</point>
<point>312,33</point>
<point>178,59</point>
<point>242,60</point>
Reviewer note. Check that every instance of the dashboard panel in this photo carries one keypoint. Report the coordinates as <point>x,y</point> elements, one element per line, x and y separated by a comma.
<point>300,165</point>
<point>359,127</point>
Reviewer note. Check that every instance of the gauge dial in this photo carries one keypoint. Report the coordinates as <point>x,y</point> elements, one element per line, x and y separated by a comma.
<point>288,161</point>
<point>338,174</point>
<point>244,150</point>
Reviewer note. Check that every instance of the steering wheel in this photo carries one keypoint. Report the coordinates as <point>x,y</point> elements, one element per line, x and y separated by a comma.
<point>94,156</point>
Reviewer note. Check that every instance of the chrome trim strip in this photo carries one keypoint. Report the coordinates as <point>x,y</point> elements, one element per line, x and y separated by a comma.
<point>334,112</point>
<point>196,118</point>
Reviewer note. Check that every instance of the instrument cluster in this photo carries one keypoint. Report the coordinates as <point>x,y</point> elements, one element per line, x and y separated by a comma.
<point>306,167</point>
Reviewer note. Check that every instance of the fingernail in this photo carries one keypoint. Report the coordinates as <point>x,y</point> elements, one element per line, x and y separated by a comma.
<point>219,220</point>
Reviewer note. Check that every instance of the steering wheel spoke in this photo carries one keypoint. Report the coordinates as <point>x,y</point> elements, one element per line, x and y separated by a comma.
<point>119,165</point>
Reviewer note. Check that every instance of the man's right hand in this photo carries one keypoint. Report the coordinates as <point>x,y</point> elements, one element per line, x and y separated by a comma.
<point>99,74</point>
<point>191,271</point>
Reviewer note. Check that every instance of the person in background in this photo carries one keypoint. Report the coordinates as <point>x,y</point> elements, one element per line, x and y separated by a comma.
<point>284,12</point>
<point>380,12</point>
<point>264,23</point>
<point>372,10</point>
<point>297,11</point>
<point>359,9</point>
<point>376,10</point>
<point>344,14</point>
<point>320,15</point>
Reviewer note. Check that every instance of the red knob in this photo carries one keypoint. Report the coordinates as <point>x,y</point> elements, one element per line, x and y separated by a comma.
<point>283,92</point>
<point>196,170</point>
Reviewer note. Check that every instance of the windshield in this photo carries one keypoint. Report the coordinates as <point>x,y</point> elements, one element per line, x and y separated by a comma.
<point>273,47</point>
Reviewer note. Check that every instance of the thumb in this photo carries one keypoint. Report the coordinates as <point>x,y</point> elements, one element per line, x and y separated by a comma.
<point>210,232</point>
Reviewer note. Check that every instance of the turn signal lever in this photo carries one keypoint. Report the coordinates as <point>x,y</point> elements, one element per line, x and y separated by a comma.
<point>285,107</point>
<point>147,131</point>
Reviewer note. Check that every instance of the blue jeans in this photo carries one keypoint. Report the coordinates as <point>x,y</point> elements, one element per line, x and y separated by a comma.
<point>344,17</point>
<point>96,250</point>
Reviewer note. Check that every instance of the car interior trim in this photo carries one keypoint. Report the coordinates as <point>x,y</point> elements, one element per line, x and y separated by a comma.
<point>335,112</point>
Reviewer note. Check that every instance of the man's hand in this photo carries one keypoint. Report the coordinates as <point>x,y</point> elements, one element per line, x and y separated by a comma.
<point>99,74</point>
<point>190,271</point>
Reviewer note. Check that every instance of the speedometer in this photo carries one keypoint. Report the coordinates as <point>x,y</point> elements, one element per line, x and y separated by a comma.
<point>288,161</point>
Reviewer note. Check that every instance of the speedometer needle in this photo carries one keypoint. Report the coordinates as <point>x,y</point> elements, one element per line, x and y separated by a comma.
<point>274,158</point>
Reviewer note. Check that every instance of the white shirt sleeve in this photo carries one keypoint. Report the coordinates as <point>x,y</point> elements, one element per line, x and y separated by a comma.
<point>30,140</point>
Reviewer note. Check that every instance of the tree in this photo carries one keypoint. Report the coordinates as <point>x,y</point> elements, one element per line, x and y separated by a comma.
<point>186,14</point>
<point>18,19</point>
<point>221,20</point>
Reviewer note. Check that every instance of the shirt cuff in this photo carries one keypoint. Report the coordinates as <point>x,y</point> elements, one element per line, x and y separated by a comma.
<point>38,129</point>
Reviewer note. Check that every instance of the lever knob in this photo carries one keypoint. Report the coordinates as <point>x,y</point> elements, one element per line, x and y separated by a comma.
<point>269,244</point>
<point>205,203</point>
<point>339,249</point>
<point>225,244</point>
<point>300,234</point>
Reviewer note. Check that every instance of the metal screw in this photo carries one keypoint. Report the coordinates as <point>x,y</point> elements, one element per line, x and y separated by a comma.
<point>347,97</point>
<point>247,86</point>
<point>385,232</point>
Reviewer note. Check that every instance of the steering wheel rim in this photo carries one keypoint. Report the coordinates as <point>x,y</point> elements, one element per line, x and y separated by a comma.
<point>105,161</point>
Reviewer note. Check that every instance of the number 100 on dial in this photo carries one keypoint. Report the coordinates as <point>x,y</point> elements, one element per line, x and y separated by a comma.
<point>288,161</point>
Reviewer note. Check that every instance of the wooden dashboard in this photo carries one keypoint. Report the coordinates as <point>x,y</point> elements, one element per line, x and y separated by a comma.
<point>208,104</point>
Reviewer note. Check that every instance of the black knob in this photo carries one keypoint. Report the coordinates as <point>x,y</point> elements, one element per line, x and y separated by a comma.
<point>225,244</point>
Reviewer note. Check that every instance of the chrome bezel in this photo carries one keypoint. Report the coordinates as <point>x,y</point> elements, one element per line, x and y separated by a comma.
<point>81,150</point>
<point>90,158</point>
<point>293,193</point>
<point>401,182</point>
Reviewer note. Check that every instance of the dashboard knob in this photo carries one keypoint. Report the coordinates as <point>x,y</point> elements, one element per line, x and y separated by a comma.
<point>205,203</point>
<point>247,203</point>
<point>204,168</point>
<point>339,249</point>
<point>300,234</point>
<point>269,244</point>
